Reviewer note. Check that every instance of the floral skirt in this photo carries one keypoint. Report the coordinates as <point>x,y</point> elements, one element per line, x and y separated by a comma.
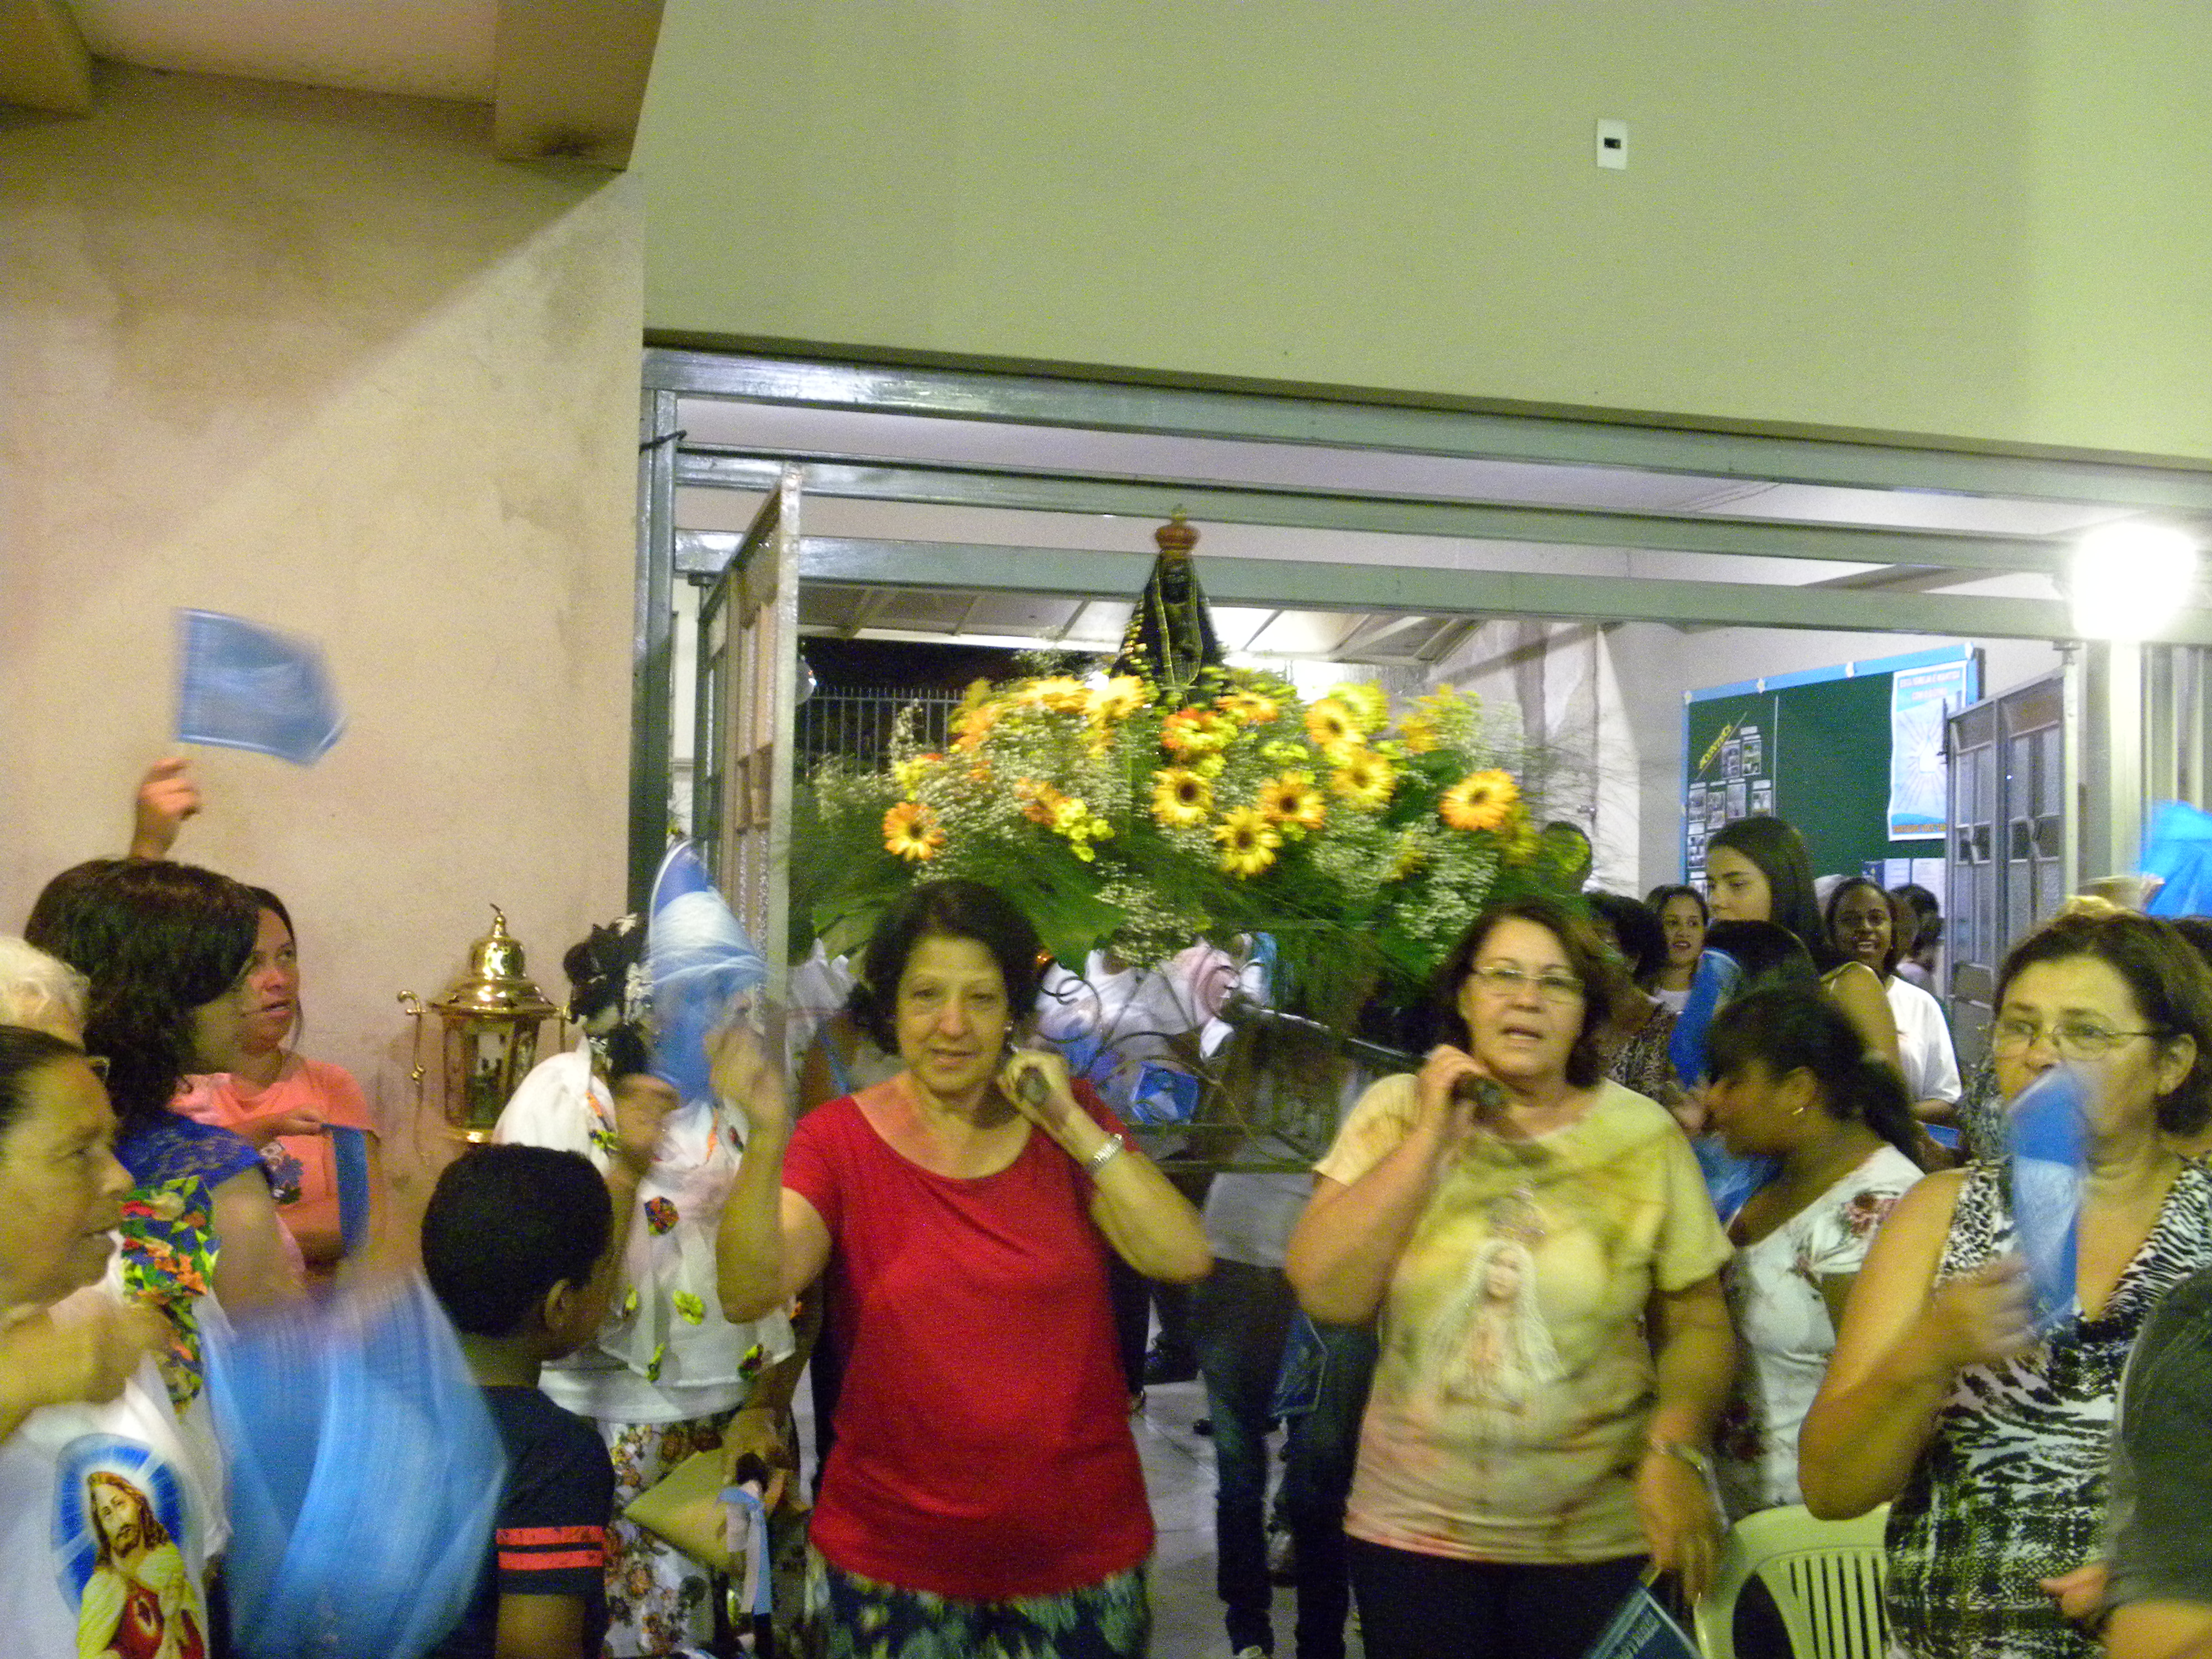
<point>660,1600</point>
<point>849,1617</point>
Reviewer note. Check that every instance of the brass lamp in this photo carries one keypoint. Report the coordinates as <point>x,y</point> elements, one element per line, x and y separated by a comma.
<point>491,1014</point>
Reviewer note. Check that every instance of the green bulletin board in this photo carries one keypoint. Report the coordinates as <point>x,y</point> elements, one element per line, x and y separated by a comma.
<point>1812,748</point>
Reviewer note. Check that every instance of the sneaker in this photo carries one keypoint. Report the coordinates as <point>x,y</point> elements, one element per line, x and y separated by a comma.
<point>1252,1653</point>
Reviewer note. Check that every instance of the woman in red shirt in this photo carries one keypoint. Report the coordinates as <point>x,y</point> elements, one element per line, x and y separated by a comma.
<point>984,1494</point>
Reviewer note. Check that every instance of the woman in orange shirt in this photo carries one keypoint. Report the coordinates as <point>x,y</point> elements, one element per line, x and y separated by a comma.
<point>281,1101</point>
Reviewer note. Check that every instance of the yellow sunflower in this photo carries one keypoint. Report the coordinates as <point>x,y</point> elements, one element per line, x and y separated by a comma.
<point>1061,693</point>
<point>1247,841</point>
<point>1419,735</point>
<point>1119,698</point>
<point>910,830</point>
<point>1368,704</point>
<point>1181,798</point>
<point>1334,728</point>
<point>1365,779</point>
<point>1479,800</point>
<point>1291,799</point>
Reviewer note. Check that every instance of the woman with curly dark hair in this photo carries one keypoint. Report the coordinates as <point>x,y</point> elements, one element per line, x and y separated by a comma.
<point>984,1494</point>
<point>163,945</point>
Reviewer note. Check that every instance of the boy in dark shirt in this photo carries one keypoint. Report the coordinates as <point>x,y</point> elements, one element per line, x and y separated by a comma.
<point>514,1242</point>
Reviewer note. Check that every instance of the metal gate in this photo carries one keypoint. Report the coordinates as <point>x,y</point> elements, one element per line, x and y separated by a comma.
<point>2006,863</point>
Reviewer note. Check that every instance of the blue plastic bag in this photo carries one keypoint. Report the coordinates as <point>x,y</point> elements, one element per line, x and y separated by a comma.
<point>365,1473</point>
<point>2178,847</point>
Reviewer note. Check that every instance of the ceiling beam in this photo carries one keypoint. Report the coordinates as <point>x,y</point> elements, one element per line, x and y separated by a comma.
<point>43,64</point>
<point>1012,489</point>
<point>1312,585</point>
<point>570,77</point>
<point>1106,406</point>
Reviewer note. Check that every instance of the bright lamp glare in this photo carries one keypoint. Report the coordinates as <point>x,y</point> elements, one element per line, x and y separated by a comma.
<point>2126,581</point>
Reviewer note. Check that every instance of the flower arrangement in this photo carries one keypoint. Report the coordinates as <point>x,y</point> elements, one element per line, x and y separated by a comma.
<point>1120,812</point>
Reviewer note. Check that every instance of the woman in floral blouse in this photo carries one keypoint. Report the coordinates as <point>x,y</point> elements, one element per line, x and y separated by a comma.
<point>1791,1079</point>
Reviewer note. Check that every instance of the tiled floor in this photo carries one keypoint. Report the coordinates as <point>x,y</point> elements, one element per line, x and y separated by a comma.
<point>1179,1474</point>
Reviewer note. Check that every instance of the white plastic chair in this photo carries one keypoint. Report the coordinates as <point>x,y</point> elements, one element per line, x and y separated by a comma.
<point>1826,1578</point>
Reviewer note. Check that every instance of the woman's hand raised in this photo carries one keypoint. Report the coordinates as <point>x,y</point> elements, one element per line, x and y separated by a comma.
<point>739,1069</point>
<point>1448,1092</point>
<point>1981,1317</point>
<point>1036,1080</point>
<point>642,1103</point>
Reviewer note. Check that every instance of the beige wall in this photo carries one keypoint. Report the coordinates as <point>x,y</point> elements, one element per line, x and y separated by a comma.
<point>319,360</point>
<point>1985,221</point>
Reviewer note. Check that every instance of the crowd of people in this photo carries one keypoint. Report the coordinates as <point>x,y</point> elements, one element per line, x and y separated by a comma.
<point>1685,1213</point>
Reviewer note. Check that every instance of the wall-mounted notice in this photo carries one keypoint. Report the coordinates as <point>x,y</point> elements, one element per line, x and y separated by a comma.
<point>1919,700</point>
<point>1813,747</point>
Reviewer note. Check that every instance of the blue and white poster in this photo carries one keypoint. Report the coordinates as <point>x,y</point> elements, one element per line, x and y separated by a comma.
<point>1920,699</point>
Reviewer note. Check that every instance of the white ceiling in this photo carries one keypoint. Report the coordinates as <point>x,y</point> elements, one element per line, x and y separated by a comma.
<point>923,613</point>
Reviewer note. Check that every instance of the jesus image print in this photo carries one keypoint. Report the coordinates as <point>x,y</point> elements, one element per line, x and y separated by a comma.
<point>137,1596</point>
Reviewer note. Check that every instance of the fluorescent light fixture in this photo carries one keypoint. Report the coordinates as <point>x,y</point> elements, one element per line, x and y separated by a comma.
<point>2126,581</point>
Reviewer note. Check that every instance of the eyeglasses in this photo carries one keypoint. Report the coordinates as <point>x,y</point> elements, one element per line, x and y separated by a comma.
<point>1501,980</point>
<point>2071,1039</point>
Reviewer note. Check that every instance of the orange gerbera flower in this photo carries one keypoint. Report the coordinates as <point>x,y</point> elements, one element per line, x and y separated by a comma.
<point>1041,802</point>
<point>1190,732</point>
<point>910,830</point>
<point>1247,707</point>
<point>975,726</point>
<point>1481,800</point>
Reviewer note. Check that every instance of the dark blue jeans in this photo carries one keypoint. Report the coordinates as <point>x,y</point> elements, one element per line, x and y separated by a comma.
<point>1242,1317</point>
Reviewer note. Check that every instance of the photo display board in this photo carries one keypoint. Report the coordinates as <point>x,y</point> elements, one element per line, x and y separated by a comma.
<point>1852,755</point>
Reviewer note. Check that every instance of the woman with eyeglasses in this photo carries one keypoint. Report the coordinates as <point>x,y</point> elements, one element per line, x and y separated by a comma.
<point>1554,1343</point>
<point>1986,1432</point>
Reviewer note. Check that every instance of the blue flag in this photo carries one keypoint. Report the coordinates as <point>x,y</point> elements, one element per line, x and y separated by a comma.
<point>241,686</point>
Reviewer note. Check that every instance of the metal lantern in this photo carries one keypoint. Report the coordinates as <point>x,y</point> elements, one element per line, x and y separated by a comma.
<point>491,1014</point>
